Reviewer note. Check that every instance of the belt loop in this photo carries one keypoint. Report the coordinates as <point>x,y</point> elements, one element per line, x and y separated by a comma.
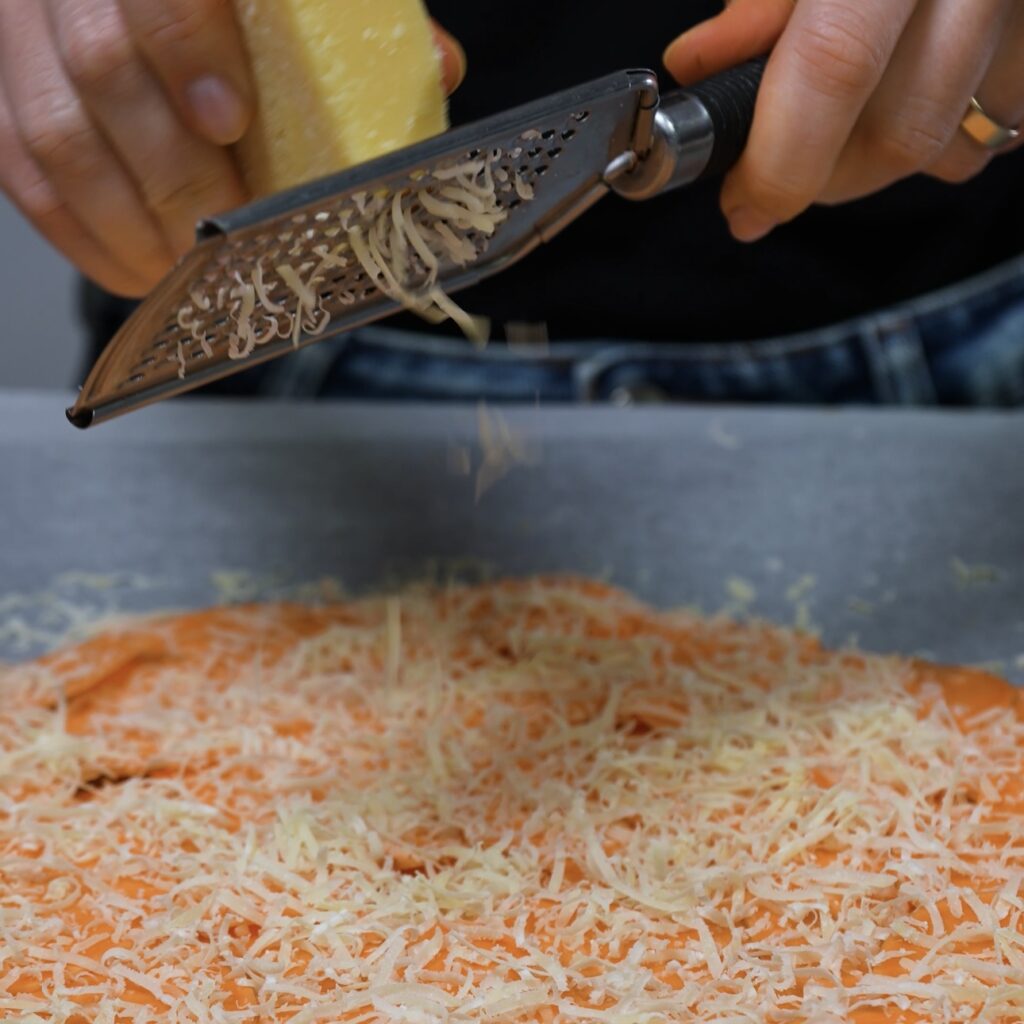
<point>898,361</point>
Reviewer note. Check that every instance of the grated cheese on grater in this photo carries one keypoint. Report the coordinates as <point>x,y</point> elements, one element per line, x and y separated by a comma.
<point>322,107</point>
<point>524,801</point>
<point>400,240</point>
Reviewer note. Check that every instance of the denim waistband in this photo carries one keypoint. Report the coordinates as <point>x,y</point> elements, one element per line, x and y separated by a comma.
<point>963,345</point>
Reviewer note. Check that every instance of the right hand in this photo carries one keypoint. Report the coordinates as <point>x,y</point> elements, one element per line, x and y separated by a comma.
<point>857,95</point>
<point>115,122</point>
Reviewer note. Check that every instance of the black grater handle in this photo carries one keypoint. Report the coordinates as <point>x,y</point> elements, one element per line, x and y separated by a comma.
<point>696,133</point>
<point>729,99</point>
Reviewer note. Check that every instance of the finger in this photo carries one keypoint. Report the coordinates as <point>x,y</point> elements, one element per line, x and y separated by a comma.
<point>1001,94</point>
<point>181,177</point>
<point>55,129</point>
<point>26,187</point>
<point>822,72</point>
<point>745,29</point>
<point>196,49</point>
<point>453,58</point>
<point>914,115</point>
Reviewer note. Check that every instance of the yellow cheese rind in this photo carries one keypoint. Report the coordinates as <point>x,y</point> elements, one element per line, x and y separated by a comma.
<point>338,82</point>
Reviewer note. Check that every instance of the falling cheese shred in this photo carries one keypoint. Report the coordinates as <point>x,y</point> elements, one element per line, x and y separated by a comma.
<point>524,801</point>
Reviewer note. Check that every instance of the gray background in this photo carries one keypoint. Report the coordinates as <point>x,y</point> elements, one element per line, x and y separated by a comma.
<point>41,345</point>
<point>856,516</point>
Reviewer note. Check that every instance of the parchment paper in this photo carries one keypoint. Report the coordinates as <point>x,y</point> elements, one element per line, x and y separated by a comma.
<point>902,529</point>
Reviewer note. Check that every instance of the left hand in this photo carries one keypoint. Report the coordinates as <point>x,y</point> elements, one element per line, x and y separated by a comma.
<point>857,95</point>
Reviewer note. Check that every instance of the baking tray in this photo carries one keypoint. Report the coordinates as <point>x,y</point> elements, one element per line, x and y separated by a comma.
<point>900,531</point>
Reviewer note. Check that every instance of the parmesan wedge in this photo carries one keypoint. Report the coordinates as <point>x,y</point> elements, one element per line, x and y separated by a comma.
<point>338,82</point>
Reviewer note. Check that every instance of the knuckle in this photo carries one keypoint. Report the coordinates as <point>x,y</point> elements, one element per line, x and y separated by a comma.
<point>175,198</point>
<point>180,22</point>
<point>30,190</point>
<point>776,193</point>
<point>9,143</point>
<point>917,138</point>
<point>40,202</point>
<point>840,50</point>
<point>25,184</point>
<point>96,54</point>
<point>58,137</point>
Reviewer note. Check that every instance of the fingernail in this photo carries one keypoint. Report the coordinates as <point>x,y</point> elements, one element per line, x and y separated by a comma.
<point>219,109</point>
<point>747,225</point>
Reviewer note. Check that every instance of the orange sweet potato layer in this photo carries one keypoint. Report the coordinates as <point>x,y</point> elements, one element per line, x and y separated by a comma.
<point>248,805</point>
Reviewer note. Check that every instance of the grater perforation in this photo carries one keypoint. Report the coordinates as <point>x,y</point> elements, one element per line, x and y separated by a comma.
<point>550,162</point>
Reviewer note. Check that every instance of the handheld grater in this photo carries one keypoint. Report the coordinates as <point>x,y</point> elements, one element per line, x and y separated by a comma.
<point>555,158</point>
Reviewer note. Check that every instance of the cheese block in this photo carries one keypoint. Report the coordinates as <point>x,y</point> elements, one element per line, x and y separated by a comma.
<point>338,82</point>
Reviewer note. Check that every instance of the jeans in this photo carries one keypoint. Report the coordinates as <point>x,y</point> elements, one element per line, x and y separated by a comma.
<point>962,346</point>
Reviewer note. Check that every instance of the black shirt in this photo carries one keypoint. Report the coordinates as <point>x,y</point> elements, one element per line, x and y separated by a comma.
<point>667,269</point>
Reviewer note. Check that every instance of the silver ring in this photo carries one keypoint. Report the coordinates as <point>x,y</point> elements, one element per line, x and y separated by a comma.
<point>984,130</point>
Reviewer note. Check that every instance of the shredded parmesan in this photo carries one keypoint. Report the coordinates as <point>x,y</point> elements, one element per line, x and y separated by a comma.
<point>534,801</point>
<point>501,449</point>
<point>967,575</point>
<point>401,241</point>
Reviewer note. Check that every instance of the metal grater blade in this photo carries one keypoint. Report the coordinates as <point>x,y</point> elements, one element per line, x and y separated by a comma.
<point>566,149</point>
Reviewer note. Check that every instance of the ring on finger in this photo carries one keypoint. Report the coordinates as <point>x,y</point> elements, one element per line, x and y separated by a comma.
<point>985,130</point>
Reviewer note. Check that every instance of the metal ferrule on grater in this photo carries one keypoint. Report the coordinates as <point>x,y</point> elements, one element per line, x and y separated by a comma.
<point>566,152</point>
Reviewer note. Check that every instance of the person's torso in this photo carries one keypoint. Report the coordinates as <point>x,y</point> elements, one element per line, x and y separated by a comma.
<point>667,269</point>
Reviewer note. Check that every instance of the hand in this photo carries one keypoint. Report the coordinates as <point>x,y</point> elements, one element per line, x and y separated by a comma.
<point>115,118</point>
<point>858,94</point>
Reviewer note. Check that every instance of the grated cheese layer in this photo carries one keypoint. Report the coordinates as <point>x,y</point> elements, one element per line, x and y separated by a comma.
<point>523,801</point>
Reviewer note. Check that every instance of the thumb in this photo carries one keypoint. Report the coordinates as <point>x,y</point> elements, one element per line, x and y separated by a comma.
<point>745,29</point>
<point>453,59</point>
